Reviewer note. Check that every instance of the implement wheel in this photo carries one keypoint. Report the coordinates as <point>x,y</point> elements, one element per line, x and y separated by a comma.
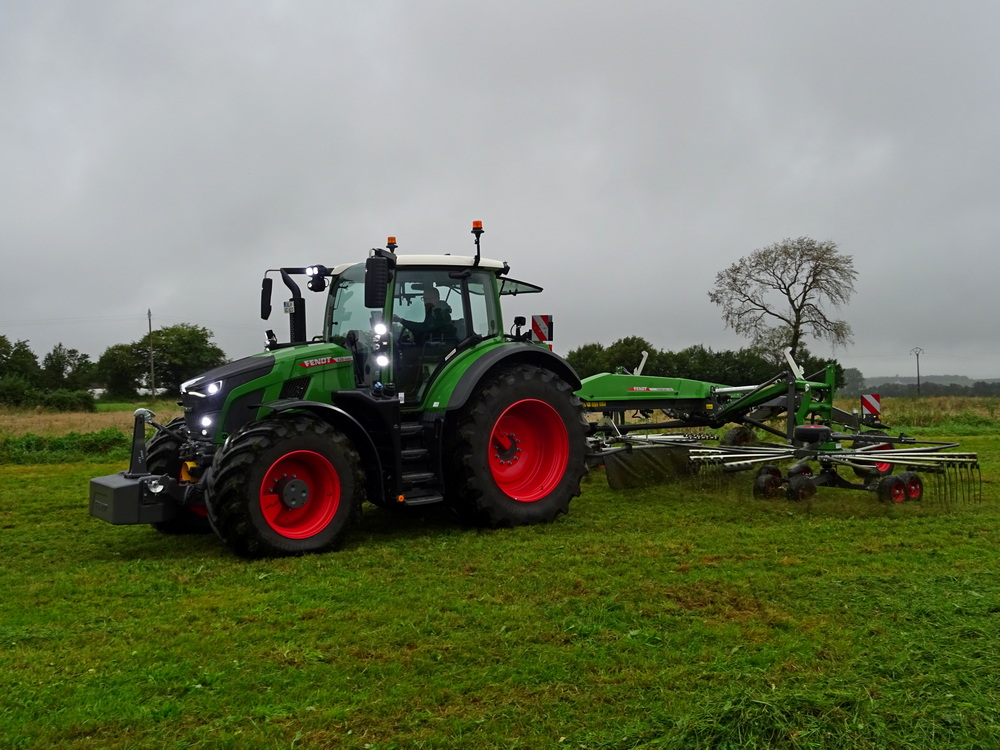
<point>163,457</point>
<point>913,485</point>
<point>800,488</point>
<point>882,469</point>
<point>285,487</point>
<point>769,469</point>
<point>891,489</point>
<point>738,436</point>
<point>801,469</point>
<point>767,486</point>
<point>517,449</point>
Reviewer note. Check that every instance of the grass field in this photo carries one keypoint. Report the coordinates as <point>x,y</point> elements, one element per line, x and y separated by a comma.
<point>680,617</point>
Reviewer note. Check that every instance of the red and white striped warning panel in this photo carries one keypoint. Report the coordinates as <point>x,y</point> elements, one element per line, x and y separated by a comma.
<point>541,328</point>
<point>871,405</point>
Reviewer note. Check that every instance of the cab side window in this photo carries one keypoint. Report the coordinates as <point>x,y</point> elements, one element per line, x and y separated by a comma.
<point>432,313</point>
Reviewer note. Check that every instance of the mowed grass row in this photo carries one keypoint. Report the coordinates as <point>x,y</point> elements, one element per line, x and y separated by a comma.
<point>684,616</point>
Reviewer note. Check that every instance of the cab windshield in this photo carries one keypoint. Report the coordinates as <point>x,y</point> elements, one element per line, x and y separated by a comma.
<point>345,306</point>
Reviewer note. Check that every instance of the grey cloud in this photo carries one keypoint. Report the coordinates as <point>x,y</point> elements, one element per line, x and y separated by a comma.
<point>164,155</point>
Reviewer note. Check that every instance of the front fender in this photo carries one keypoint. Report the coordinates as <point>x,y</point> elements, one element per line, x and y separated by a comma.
<point>350,426</point>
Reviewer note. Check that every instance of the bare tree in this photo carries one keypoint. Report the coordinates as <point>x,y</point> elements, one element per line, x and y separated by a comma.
<point>778,293</point>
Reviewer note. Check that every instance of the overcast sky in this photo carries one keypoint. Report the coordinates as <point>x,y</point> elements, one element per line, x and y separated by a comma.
<point>162,155</point>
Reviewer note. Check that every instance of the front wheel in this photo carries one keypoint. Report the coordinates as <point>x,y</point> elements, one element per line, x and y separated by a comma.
<point>285,487</point>
<point>517,450</point>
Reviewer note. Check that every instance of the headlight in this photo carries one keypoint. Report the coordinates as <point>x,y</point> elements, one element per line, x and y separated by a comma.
<point>201,390</point>
<point>205,423</point>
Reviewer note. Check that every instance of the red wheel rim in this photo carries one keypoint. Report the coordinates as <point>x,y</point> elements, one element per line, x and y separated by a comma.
<point>914,489</point>
<point>883,468</point>
<point>897,493</point>
<point>300,494</point>
<point>528,450</point>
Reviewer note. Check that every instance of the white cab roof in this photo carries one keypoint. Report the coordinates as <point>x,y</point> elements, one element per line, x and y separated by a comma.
<point>459,261</point>
<point>447,260</point>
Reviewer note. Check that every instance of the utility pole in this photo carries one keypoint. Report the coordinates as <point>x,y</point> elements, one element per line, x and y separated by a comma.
<point>917,351</point>
<point>152,379</point>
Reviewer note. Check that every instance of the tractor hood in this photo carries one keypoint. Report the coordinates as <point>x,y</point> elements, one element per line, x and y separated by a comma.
<point>203,397</point>
<point>226,377</point>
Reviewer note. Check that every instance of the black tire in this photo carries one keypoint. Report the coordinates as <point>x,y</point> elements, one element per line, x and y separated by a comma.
<point>285,486</point>
<point>891,489</point>
<point>800,488</point>
<point>800,469</point>
<point>767,487</point>
<point>770,470</point>
<point>163,457</point>
<point>737,436</point>
<point>913,484</point>
<point>517,449</point>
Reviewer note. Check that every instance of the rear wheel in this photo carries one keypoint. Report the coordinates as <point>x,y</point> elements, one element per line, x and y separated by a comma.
<point>285,487</point>
<point>163,457</point>
<point>517,450</point>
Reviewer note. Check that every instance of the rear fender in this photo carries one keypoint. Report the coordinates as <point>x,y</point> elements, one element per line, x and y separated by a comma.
<point>503,356</point>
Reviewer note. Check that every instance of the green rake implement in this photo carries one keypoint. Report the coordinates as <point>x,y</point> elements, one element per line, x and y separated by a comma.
<point>859,454</point>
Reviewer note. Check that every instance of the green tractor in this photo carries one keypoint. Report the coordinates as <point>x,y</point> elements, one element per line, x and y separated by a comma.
<point>414,393</point>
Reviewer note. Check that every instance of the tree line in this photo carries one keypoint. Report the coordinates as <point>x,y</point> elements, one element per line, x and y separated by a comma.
<point>977,388</point>
<point>64,378</point>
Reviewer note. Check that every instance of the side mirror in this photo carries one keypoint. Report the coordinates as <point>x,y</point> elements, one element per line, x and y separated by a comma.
<point>376,282</point>
<point>265,297</point>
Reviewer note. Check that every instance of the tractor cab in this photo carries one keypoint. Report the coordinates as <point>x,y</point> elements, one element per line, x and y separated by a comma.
<point>404,317</point>
<point>434,306</point>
